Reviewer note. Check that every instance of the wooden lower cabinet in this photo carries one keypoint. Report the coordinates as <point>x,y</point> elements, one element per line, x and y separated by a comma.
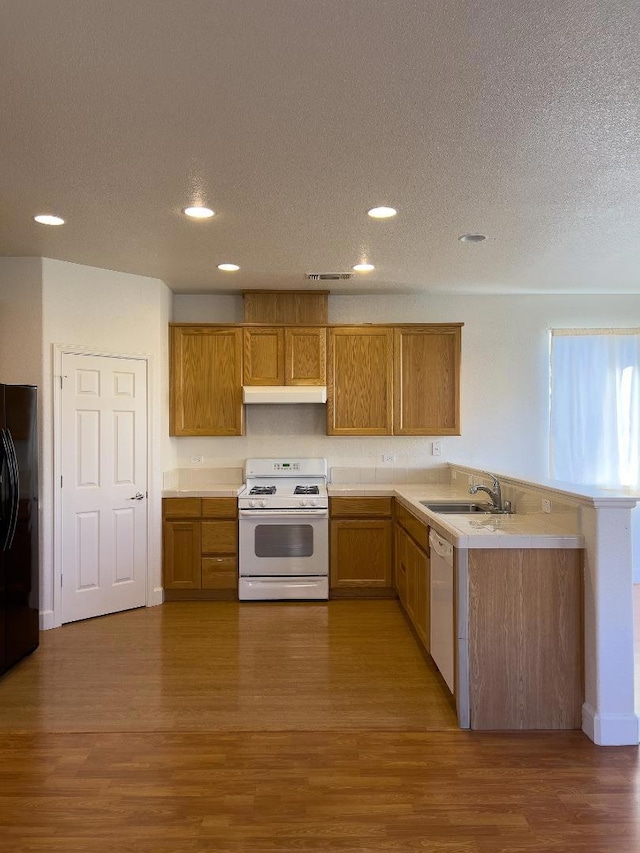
<point>181,554</point>
<point>200,548</point>
<point>361,537</point>
<point>525,639</point>
<point>412,577</point>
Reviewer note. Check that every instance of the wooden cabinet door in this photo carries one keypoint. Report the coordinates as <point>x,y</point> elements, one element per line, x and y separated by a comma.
<point>206,381</point>
<point>419,591</point>
<point>401,566</point>
<point>263,356</point>
<point>427,380</point>
<point>305,356</point>
<point>360,381</point>
<point>361,553</point>
<point>181,555</point>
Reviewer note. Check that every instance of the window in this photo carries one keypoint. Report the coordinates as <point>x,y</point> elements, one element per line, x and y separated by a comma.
<point>595,407</point>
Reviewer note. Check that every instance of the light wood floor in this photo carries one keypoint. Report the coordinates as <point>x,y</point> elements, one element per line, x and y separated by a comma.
<point>288,728</point>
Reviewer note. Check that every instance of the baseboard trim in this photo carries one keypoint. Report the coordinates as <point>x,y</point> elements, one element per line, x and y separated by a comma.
<point>47,621</point>
<point>157,597</point>
<point>610,729</point>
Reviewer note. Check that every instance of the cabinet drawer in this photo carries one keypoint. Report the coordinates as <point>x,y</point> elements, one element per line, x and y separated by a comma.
<point>416,528</point>
<point>219,573</point>
<point>219,507</point>
<point>181,507</point>
<point>219,537</point>
<point>361,507</point>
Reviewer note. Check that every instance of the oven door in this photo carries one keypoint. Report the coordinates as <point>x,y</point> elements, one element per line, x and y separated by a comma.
<point>284,543</point>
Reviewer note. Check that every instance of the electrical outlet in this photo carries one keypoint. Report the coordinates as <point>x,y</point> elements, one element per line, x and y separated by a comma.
<point>387,457</point>
<point>546,505</point>
<point>197,459</point>
<point>470,480</point>
<point>436,448</point>
<point>454,475</point>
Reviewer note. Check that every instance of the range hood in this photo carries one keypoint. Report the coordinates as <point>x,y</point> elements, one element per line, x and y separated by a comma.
<point>284,393</point>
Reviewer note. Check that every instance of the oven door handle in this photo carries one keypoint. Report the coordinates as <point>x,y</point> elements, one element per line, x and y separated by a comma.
<point>257,514</point>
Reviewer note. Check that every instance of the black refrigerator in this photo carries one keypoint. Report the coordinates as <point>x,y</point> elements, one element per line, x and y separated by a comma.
<point>19,564</point>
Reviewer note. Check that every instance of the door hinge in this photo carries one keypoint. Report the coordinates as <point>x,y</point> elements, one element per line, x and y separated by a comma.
<point>61,381</point>
<point>60,480</point>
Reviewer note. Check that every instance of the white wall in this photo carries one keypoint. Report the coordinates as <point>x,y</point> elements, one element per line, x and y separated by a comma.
<point>116,313</point>
<point>21,321</point>
<point>505,378</point>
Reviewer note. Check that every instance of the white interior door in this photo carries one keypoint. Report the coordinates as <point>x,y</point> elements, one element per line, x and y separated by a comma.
<point>104,485</point>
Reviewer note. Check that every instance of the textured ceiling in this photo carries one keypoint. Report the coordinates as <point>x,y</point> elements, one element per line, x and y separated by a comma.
<point>519,119</point>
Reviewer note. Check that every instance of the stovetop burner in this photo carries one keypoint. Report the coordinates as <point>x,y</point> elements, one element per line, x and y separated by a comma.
<point>263,490</point>
<point>306,490</point>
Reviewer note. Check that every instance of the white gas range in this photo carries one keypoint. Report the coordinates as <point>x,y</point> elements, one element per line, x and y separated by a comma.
<point>284,530</point>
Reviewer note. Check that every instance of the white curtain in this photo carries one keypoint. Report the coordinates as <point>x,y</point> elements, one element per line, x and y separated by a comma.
<point>595,407</point>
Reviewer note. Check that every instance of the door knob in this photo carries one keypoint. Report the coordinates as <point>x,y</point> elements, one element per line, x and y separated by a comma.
<point>137,497</point>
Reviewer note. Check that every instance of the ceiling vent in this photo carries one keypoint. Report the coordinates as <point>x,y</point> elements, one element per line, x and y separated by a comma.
<point>329,276</point>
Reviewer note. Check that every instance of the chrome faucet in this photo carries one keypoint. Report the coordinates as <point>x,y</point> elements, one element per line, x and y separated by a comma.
<point>495,493</point>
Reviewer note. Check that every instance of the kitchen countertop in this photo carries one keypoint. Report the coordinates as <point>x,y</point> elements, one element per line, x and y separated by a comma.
<point>527,530</point>
<point>220,490</point>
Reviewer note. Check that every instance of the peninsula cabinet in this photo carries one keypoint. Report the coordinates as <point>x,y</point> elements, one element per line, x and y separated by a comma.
<point>525,639</point>
<point>200,548</point>
<point>360,381</point>
<point>361,537</point>
<point>412,575</point>
<point>206,380</point>
<point>293,355</point>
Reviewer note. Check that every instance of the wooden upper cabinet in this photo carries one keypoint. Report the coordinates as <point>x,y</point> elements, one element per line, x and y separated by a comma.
<point>305,352</point>
<point>206,381</point>
<point>263,356</point>
<point>360,381</point>
<point>285,356</point>
<point>427,380</point>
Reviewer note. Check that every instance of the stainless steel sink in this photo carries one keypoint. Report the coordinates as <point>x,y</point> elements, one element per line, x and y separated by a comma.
<point>456,508</point>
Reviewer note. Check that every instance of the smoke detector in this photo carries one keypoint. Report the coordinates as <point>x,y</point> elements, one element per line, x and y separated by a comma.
<point>329,276</point>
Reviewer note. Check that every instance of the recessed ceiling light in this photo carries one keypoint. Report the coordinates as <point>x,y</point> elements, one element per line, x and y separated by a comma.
<point>472,238</point>
<point>48,219</point>
<point>363,267</point>
<point>382,212</point>
<point>198,212</point>
<point>228,267</point>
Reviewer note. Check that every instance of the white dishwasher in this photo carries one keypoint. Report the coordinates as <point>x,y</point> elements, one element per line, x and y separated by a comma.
<point>442,633</point>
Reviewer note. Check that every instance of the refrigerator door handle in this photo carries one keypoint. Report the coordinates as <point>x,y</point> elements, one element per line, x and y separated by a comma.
<point>9,452</point>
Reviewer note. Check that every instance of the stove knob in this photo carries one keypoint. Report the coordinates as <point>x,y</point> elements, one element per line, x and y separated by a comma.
<point>263,503</point>
<point>252,503</point>
<point>302,502</point>
<point>313,503</point>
